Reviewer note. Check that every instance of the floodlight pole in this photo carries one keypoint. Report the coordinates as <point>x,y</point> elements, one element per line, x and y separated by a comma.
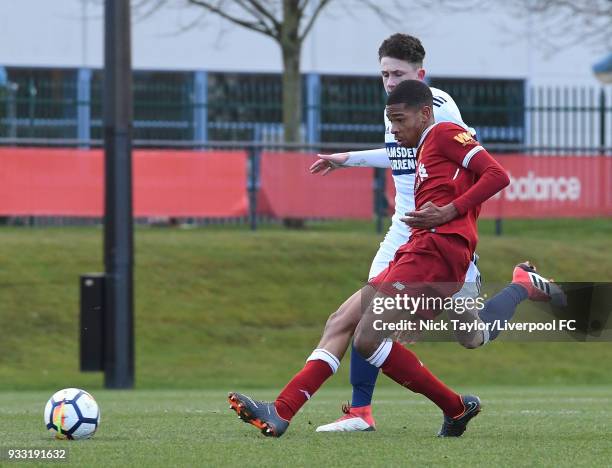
<point>118,232</point>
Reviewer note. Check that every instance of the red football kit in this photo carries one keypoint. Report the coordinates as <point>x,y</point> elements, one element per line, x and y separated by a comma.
<point>452,167</point>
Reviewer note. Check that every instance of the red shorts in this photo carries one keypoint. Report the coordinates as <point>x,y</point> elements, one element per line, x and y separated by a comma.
<point>429,260</point>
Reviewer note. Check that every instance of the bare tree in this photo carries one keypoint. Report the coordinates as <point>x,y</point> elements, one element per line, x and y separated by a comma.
<point>563,23</point>
<point>287,22</point>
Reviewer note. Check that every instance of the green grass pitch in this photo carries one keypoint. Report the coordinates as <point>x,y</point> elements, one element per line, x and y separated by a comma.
<point>222,308</point>
<point>519,426</point>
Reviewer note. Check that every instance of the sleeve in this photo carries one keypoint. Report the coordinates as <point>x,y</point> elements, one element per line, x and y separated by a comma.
<point>459,146</point>
<point>368,158</point>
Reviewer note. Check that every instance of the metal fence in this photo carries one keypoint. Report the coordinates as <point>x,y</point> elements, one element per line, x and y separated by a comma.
<point>205,106</point>
<point>589,178</point>
<point>63,107</point>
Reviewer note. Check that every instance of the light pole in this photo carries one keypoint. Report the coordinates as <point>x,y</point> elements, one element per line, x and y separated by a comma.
<point>118,229</point>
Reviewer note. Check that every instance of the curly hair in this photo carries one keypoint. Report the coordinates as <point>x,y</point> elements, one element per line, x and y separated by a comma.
<point>402,47</point>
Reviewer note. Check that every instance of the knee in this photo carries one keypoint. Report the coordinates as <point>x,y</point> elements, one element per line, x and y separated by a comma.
<point>365,345</point>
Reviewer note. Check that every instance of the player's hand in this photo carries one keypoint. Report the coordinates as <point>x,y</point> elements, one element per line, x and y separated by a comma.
<point>328,162</point>
<point>430,215</point>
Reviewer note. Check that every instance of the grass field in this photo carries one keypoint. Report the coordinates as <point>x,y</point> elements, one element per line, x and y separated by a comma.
<point>211,303</point>
<point>535,426</point>
<point>222,308</point>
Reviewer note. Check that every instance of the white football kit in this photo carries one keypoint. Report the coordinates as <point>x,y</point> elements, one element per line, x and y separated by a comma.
<point>402,162</point>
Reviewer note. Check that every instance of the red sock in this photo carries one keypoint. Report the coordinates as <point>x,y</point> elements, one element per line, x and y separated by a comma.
<point>405,368</point>
<point>301,387</point>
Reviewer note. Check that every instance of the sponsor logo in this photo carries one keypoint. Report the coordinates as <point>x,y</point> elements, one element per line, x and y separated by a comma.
<point>464,138</point>
<point>400,152</point>
<point>541,188</point>
<point>402,159</point>
<point>402,164</point>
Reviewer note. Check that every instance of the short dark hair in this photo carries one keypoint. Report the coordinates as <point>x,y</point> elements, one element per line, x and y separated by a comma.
<point>402,47</point>
<point>412,93</point>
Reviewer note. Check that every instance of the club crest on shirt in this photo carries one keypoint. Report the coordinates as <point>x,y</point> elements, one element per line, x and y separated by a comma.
<point>422,171</point>
<point>421,174</point>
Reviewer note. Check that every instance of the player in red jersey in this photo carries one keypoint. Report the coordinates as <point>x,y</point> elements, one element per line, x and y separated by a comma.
<point>454,176</point>
<point>447,197</point>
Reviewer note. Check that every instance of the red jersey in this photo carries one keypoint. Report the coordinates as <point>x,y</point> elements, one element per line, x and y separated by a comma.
<point>452,167</point>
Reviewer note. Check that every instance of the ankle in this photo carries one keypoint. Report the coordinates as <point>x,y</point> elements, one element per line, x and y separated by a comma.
<point>362,410</point>
<point>283,410</point>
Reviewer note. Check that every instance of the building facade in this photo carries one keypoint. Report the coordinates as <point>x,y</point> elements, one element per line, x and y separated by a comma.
<point>507,86</point>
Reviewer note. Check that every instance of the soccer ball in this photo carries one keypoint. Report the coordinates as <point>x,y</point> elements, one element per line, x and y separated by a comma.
<point>72,413</point>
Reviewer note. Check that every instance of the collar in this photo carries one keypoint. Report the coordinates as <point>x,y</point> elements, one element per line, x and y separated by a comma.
<point>425,132</point>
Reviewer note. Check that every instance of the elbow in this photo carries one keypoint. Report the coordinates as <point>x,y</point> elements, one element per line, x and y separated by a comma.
<point>504,179</point>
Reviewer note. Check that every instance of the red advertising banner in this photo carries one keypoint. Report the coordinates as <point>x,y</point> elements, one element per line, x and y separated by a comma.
<point>70,182</point>
<point>553,187</point>
<point>548,187</point>
<point>289,190</point>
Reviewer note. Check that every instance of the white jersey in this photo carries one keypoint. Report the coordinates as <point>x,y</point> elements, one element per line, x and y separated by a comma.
<point>402,162</point>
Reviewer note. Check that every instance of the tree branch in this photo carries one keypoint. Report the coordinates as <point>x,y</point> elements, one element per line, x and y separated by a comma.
<point>387,18</point>
<point>258,26</point>
<point>190,25</point>
<point>590,8</point>
<point>561,22</point>
<point>322,4</point>
<point>261,9</point>
<point>139,5</point>
<point>261,18</point>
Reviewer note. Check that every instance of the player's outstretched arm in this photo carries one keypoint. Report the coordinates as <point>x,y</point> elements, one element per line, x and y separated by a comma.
<point>368,158</point>
<point>328,162</point>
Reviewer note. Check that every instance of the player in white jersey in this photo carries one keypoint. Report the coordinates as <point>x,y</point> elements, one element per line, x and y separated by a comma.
<point>400,160</point>
<point>401,58</point>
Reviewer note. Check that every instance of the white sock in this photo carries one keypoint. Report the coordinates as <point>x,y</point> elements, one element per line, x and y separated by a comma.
<point>382,352</point>
<point>323,355</point>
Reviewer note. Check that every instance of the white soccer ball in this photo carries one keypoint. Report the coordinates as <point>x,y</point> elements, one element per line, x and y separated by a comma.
<point>72,413</point>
